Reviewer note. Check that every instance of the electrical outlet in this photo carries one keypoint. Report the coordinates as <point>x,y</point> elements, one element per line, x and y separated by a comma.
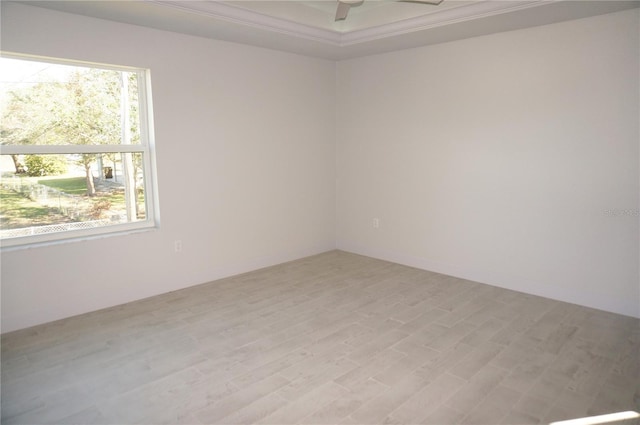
<point>376,223</point>
<point>177,245</point>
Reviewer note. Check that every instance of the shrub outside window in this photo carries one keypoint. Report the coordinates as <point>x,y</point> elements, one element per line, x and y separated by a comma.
<point>76,151</point>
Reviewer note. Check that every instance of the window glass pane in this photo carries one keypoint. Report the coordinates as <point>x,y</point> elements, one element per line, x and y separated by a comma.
<point>56,193</point>
<point>52,104</point>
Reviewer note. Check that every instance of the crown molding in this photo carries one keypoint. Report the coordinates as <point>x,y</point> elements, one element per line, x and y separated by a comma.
<point>229,21</point>
<point>238,15</point>
<point>438,19</point>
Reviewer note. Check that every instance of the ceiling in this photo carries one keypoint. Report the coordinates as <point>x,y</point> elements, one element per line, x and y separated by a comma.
<point>321,13</point>
<point>308,27</point>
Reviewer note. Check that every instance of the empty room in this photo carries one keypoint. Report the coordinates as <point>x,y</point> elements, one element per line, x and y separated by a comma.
<point>320,212</point>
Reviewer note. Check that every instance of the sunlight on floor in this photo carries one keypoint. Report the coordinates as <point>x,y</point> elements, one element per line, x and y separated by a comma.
<point>611,418</point>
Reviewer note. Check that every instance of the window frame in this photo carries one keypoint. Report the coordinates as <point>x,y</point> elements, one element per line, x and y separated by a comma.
<point>146,148</point>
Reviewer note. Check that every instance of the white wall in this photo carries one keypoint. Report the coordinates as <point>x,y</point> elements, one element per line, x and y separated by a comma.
<point>496,158</point>
<point>246,167</point>
<point>493,158</point>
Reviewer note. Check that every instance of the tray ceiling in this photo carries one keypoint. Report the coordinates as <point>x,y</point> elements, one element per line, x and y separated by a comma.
<point>308,27</point>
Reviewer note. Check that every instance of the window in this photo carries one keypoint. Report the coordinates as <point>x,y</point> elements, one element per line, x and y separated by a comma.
<point>76,155</point>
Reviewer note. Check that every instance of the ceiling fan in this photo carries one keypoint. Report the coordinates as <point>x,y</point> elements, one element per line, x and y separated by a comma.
<point>345,5</point>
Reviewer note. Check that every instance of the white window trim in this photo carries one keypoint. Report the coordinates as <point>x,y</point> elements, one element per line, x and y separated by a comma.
<point>146,148</point>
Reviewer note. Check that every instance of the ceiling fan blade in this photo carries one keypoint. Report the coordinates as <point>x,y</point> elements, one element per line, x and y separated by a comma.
<point>433,2</point>
<point>342,11</point>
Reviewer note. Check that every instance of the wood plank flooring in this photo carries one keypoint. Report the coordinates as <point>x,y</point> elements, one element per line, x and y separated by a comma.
<point>330,339</point>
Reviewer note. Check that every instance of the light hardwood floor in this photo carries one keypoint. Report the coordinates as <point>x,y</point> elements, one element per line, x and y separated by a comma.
<point>333,338</point>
